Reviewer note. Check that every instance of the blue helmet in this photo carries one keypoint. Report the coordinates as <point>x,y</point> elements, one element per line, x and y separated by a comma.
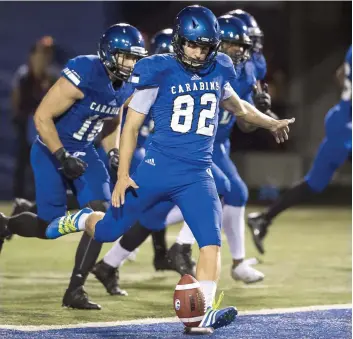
<point>196,25</point>
<point>234,31</point>
<point>254,31</point>
<point>121,39</point>
<point>162,42</point>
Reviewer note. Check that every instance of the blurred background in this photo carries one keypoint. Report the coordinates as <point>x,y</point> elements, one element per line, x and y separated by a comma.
<point>305,43</point>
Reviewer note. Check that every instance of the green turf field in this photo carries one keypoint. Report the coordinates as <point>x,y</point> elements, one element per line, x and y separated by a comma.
<point>308,262</point>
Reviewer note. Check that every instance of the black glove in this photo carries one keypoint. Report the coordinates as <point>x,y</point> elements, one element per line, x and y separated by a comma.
<point>71,167</point>
<point>113,156</point>
<point>262,100</point>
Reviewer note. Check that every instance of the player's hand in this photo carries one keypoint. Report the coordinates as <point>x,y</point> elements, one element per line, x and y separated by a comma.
<point>113,156</point>
<point>71,167</point>
<point>123,183</point>
<point>262,100</point>
<point>281,129</point>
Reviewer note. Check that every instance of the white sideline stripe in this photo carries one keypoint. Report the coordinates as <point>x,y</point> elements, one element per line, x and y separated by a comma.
<point>148,321</point>
<point>187,286</point>
<point>191,320</point>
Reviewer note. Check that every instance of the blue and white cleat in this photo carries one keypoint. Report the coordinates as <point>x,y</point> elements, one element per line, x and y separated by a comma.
<point>219,318</point>
<point>216,318</point>
<point>65,225</point>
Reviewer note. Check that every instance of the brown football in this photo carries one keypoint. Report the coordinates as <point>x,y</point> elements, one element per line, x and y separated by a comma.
<point>189,301</point>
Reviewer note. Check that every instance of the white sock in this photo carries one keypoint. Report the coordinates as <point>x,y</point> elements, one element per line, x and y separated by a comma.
<point>82,221</point>
<point>208,288</point>
<point>174,216</point>
<point>116,256</point>
<point>234,228</point>
<point>185,235</point>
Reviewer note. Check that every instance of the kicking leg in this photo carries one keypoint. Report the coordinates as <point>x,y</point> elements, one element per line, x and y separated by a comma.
<point>203,215</point>
<point>180,254</point>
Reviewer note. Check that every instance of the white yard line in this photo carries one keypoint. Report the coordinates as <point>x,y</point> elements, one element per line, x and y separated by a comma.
<point>148,321</point>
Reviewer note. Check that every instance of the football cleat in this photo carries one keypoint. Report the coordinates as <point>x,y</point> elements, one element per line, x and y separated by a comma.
<point>4,231</point>
<point>66,225</point>
<point>252,261</point>
<point>109,277</point>
<point>246,273</point>
<point>161,263</point>
<point>258,225</point>
<point>179,258</point>
<point>78,299</point>
<point>219,318</point>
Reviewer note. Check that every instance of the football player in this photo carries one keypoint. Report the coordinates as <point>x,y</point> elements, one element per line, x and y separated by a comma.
<point>237,44</point>
<point>91,90</point>
<point>333,151</point>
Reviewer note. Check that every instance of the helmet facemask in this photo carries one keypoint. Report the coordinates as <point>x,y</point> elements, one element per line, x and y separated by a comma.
<point>257,39</point>
<point>239,54</point>
<point>189,62</point>
<point>116,63</point>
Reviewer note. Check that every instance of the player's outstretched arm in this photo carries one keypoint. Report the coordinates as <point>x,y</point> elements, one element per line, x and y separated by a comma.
<point>250,114</point>
<point>133,123</point>
<point>61,96</point>
<point>279,128</point>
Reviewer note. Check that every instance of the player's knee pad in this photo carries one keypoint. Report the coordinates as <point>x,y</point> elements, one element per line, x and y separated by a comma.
<point>238,195</point>
<point>98,205</point>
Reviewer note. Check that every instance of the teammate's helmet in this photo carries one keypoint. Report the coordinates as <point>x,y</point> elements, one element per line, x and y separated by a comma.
<point>162,42</point>
<point>234,31</point>
<point>121,39</point>
<point>198,25</point>
<point>255,33</point>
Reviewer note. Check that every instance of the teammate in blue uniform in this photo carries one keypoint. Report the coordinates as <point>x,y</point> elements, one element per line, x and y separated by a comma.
<point>89,92</point>
<point>183,92</point>
<point>257,62</point>
<point>107,269</point>
<point>334,150</point>
<point>256,35</point>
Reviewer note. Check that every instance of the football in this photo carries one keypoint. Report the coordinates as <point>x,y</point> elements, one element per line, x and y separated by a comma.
<point>189,301</point>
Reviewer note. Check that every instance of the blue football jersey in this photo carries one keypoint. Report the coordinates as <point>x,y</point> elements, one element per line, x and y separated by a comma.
<point>243,86</point>
<point>82,122</point>
<point>260,65</point>
<point>185,110</point>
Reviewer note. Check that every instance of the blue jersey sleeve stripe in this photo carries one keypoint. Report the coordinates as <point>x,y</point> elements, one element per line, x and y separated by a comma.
<point>72,77</point>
